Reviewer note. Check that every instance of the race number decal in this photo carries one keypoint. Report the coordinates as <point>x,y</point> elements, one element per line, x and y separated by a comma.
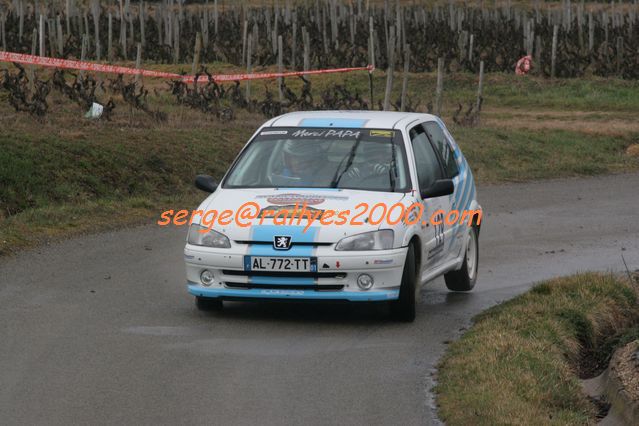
<point>439,235</point>
<point>439,231</point>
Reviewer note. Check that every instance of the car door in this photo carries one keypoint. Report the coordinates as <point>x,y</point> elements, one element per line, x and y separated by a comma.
<point>456,201</point>
<point>429,169</point>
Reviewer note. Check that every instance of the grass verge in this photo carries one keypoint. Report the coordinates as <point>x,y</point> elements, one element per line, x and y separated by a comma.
<point>520,362</point>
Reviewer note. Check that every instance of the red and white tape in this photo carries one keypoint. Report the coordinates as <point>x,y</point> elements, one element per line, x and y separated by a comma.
<point>115,69</point>
<point>266,75</point>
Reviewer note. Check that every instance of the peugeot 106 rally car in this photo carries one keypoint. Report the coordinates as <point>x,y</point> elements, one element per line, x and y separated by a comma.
<point>361,166</point>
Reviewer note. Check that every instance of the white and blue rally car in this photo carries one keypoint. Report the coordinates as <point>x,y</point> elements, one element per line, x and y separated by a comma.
<point>339,161</point>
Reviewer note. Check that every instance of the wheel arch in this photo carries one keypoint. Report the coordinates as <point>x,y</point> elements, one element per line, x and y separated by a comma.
<point>474,205</point>
<point>417,242</point>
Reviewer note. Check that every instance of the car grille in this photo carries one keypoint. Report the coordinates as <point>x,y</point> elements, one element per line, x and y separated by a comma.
<point>248,286</point>
<point>270,243</point>
<point>236,272</point>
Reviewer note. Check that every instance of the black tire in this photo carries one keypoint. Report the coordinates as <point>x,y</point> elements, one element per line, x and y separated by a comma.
<point>464,279</point>
<point>208,304</point>
<point>403,309</point>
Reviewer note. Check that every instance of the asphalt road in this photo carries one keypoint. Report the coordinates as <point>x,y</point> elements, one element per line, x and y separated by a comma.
<point>100,329</point>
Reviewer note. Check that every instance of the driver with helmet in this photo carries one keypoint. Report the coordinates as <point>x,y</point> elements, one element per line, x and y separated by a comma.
<point>303,160</point>
<point>373,160</point>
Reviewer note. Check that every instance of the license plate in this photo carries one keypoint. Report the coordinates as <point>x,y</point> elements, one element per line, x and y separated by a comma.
<point>283,264</point>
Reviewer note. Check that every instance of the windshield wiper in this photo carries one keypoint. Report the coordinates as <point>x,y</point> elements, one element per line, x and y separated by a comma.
<point>349,163</point>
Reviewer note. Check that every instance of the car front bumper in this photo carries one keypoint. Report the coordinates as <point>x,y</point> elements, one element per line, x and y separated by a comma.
<point>336,277</point>
<point>237,294</point>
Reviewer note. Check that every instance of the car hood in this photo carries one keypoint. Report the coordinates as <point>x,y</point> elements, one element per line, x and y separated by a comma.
<point>338,200</point>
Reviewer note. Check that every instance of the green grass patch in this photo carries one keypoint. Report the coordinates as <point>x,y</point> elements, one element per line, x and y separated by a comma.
<point>498,155</point>
<point>520,362</point>
<point>43,224</point>
<point>43,168</point>
<point>500,90</point>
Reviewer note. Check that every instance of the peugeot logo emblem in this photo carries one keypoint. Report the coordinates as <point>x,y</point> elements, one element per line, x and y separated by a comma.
<point>281,242</point>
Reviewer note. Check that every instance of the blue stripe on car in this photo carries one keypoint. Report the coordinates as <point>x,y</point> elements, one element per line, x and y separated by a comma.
<point>333,122</point>
<point>353,296</point>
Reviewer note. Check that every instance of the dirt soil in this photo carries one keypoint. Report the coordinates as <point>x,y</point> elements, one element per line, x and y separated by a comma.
<point>627,368</point>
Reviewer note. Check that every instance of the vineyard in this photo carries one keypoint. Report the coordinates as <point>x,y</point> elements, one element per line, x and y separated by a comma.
<point>567,39</point>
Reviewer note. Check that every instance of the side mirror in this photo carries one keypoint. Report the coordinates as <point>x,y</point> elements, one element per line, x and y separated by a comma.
<point>206,183</point>
<point>440,188</point>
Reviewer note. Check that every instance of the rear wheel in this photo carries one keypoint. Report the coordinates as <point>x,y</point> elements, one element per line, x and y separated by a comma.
<point>403,309</point>
<point>464,279</point>
<point>208,304</point>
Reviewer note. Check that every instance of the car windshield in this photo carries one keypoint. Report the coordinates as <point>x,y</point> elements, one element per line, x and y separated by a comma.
<point>365,159</point>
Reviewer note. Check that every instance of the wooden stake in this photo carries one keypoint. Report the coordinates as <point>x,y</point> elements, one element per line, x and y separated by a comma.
<point>480,89</point>
<point>41,35</point>
<point>196,53</point>
<point>138,62</point>
<point>142,17</point>
<point>215,16</point>
<point>591,33</point>
<point>52,41</point>
<point>619,55</point>
<point>123,30</point>
<point>95,11</point>
<point>110,39</point>
<point>176,41</point>
<point>324,37</point>
<point>294,41</point>
<point>249,67</point>
<point>31,72</point>
<point>4,38</point>
<point>538,54</point>
<point>371,41</point>
<point>405,80</point>
<point>83,53</point>
<point>280,67</point>
<point>307,49</point>
<point>553,62</point>
<point>244,33</point>
<point>389,71</point>
<point>59,36</point>
<point>439,90</point>
<point>67,15</point>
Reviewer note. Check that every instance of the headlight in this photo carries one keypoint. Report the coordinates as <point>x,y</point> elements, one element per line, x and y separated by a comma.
<point>376,240</point>
<point>210,238</point>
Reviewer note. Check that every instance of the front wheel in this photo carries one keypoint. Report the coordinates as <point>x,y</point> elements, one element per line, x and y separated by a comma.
<point>208,304</point>
<point>403,309</point>
<point>465,278</point>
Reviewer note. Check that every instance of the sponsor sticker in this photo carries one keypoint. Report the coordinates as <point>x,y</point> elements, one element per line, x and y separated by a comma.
<point>272,211</point>
<point>273,132</point>
<point>292,199</point>
<point>283,292</point>
<point>325,133</point>
<point>382,133</point>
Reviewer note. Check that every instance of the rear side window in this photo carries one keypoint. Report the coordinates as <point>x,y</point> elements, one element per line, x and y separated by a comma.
<point>426,161</point>
<point>436,134</point>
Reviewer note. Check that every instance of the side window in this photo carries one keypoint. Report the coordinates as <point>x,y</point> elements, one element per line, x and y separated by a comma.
<point>436,134</point>
<point>426,162</point>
